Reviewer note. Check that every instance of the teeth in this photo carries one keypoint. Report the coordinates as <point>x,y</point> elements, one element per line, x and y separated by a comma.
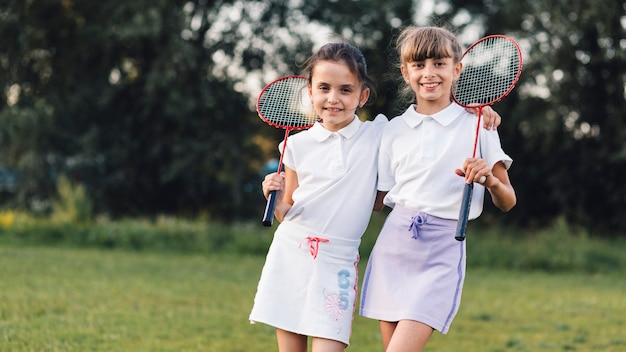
<point>430,85</point>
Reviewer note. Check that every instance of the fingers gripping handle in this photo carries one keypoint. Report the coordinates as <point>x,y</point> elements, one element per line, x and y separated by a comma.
<point>268,216</point>
<point>464,212</point>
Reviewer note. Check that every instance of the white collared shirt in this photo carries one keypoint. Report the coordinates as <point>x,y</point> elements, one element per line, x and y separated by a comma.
<point>419,154</point>
<point>336,176</point>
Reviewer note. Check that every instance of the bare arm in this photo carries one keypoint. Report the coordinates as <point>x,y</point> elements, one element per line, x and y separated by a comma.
<point>497,181</point>
<point>378,203</point>
<point>500,188</point>
<point>291,183</point>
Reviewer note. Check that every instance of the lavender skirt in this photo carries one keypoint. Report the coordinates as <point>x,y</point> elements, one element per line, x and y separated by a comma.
<point>415,271</point>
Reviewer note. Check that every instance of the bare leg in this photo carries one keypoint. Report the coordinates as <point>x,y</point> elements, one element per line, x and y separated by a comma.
<point>325,345</point>
<point>409,335</point>
<point>386,331</point>
<point>290,342</point>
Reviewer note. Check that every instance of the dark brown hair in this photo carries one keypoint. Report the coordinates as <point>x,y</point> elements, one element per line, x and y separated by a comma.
<point>342,52</point>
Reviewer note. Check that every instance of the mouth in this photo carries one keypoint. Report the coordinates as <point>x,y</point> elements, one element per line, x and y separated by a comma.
<point>430,85</point>
<point>333,109</point>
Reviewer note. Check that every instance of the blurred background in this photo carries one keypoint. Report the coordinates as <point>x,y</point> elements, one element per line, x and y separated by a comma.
<point>146,107</point>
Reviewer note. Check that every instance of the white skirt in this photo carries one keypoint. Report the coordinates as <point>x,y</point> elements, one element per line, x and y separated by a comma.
<point>308,284</point>
<point>415,271</point>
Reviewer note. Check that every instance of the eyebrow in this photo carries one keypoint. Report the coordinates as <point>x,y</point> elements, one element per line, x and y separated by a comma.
<point>350,85</point>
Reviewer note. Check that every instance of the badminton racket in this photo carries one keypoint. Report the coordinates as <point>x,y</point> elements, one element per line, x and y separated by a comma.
<point>491,69</point>
<point>284,103</point>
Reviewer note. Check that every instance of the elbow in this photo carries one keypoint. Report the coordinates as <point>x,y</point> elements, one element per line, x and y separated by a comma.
<point>507,206</point>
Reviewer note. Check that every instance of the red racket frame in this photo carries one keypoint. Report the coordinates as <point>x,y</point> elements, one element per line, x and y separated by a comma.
<point>268,215</point>
<point>469,188</point>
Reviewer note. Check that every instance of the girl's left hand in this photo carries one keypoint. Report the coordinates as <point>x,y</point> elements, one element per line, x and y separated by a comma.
<point>475,170</point>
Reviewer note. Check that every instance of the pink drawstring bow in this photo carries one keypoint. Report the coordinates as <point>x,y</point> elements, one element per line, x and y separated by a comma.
<point>314,244</point>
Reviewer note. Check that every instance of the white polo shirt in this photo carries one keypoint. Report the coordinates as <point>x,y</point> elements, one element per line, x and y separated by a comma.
<point>418,156</point>
<point>336,177</point>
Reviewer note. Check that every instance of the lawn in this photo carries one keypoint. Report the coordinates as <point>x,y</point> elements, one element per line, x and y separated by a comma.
<point>59,299</point>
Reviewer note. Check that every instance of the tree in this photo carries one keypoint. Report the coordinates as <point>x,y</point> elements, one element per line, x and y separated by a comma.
<point>564,124</point>
<point>117,96</point>
<point>149,104</point>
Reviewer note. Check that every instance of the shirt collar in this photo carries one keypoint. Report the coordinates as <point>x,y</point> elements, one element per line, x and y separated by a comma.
<point>319,133</point>
<point>444,117</point>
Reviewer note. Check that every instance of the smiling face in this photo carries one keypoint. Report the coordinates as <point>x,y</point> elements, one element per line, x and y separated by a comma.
<point>430,62</point>
<point>336,93</point>
<point>431,79</point>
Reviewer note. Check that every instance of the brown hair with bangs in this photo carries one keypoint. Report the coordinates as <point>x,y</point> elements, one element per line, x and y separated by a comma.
<point>421,43</point>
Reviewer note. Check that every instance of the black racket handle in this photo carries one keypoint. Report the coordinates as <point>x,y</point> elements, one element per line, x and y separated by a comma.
<point>268,216</point>
<point>464,212</point>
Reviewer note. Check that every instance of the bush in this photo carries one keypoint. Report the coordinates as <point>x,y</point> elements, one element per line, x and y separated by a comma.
<point>73,204</point>
<point>162,233</point>
<point>555,249</point>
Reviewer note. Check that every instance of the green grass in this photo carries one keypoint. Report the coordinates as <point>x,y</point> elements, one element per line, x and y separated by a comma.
<point>73,299</point>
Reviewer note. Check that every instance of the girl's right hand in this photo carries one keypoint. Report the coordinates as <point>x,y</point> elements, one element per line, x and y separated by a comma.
<point>273,182</point>
<point>491,118</point>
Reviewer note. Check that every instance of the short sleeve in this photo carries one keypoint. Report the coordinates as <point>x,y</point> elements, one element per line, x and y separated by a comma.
<point>491,149</point>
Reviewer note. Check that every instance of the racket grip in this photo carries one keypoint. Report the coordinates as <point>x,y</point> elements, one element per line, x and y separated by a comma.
<point>268,216</point>
<point>464,212</point>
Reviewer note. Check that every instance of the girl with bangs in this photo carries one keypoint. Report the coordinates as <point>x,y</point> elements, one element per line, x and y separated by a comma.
<point>415,274</point>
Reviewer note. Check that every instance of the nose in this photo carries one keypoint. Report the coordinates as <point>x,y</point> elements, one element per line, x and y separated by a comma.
<point>428,69</point>
<point>333,97</point>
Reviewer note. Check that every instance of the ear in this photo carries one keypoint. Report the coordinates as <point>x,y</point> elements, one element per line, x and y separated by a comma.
<point>365,94</point>
<point>405,75</point>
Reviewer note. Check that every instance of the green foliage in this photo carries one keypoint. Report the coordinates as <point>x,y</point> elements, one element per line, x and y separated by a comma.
<point>555,249</point>
<point>159,234</point>
<point>73,204</point>
<point>564,123</point>
<point>148,103</point>
<point>111,94</point>
<point>558,248</point>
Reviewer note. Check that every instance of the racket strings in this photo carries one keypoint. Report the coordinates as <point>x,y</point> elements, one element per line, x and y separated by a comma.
<point>285,104</point>
<point>490,70</point>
